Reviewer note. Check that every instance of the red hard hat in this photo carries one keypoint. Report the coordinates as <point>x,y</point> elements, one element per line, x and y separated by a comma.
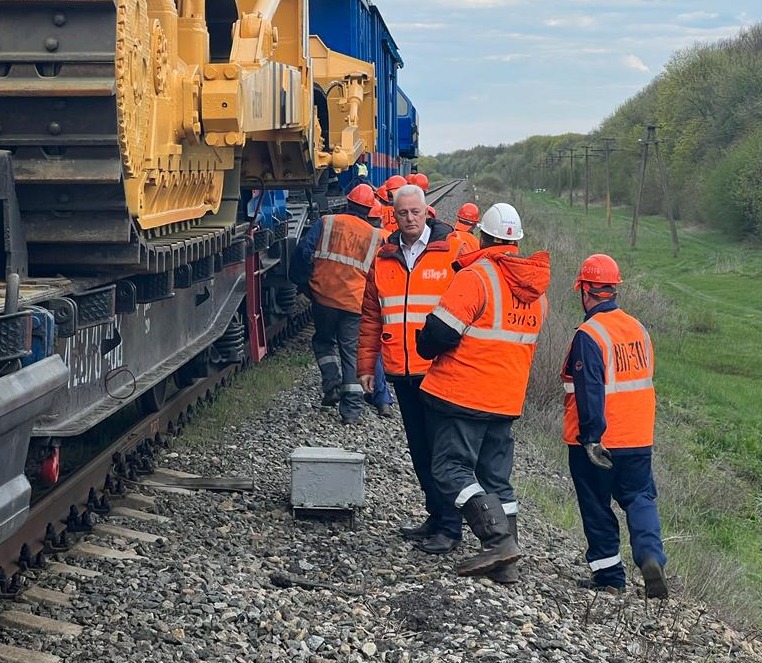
<point>381,194</point>
<point>394,183</point>
<point>363,195</point>
<point>598,270</point>
<point>468,214</point>
<point>410,178</point>
<point>431,212</point>
<point>376,212</point>
<point>422,181</point>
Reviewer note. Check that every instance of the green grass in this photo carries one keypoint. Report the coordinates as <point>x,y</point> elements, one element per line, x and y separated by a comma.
<point>250,391</point>
<point>704,309</point>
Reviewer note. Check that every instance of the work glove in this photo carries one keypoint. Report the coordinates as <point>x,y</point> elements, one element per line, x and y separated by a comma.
<point>599,455</point>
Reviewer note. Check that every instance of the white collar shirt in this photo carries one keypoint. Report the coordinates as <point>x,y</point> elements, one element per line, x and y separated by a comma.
<point>412,252</point>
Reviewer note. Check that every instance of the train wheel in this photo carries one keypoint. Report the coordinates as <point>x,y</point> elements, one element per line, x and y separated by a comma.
<point>153,399</point>
<point>183,376</point>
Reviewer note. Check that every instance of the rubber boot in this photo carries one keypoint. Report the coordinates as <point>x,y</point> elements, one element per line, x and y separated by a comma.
<point>486,518</point>
<point>507,574</point>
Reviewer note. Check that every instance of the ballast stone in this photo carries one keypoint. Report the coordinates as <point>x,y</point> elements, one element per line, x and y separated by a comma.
<point>327,478</point>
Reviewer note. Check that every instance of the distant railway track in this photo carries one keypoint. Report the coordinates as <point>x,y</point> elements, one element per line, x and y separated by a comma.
<point>439,193</point>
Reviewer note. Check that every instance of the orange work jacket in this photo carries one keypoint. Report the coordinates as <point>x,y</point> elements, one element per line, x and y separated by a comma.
<point>397,301</point>
<point>470,240</point>
<point>343,255</point>
<point>497,304</point>
<point>630,409</point>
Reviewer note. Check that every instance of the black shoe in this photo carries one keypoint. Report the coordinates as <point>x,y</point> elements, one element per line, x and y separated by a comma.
<point>589,583</point>
<point>419,532</point>
<point>349,421</point>
<point>656,581</point>
<point>438,544</point>
<point>331,397</point>
<point>384,411</point>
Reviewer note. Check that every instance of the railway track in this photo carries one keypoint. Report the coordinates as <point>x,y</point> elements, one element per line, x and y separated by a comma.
<point>129,454</point>
<point>82,503</point>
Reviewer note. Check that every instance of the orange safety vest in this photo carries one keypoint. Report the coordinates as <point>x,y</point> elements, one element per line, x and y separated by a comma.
<point>630,409</point>
<point>344,253</point>
<point>497,304</point>
<point>407,297</point>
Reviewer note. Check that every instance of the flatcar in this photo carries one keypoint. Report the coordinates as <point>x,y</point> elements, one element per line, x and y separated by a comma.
<point>154,159</point>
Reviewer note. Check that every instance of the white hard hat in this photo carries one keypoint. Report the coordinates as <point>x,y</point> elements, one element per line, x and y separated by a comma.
<point>502,221</point>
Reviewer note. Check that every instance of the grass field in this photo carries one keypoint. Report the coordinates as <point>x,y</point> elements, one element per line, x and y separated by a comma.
<point>704,310</point>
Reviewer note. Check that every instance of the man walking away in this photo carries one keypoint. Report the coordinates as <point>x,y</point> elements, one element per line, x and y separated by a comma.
<point>334,257</point>
<point>609,415</point>
<point>483,334</point>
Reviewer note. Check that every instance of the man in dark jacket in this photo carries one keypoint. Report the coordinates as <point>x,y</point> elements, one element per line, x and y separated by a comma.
<point>483,334</point>
<point>407,277</point>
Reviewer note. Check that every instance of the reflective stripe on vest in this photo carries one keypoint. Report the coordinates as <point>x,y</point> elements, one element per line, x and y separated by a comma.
<point>324,253</point>
<point>497,333</point>
<point>489,369</point>
<point>406,297</point>
<point>612,384</point>
<point>630,401</point>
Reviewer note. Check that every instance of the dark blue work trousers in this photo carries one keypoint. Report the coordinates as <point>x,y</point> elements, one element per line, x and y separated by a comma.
<point>631,483</point>
<point>381,394</point>
<point>448,520</point>
<point>472,456</point>
<point>335,346</point>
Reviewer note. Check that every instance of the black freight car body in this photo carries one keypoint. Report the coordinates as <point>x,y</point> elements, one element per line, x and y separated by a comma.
<point>132,135</point>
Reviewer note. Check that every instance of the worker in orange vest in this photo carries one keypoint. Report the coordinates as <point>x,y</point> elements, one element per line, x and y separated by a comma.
<point>465,224</point>
<point>482,336</point>
<point>407,277</point>
<point>391,185</point>
<point>609,416</point>
<point>333,259</point>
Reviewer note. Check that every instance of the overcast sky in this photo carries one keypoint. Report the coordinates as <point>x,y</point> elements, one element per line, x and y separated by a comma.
<point>497,71</point>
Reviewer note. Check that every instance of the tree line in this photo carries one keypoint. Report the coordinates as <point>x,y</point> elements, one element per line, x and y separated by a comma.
<point>706,108</point>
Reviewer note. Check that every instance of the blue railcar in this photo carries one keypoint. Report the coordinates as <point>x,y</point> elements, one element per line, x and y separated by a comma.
<point>356,28</point>
<point>407,130</point>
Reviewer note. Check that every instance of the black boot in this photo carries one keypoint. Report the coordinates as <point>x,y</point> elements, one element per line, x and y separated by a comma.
<point>656,581</point>
<point>419,532</point>
<point>507,574</point>
<point>485,516</point>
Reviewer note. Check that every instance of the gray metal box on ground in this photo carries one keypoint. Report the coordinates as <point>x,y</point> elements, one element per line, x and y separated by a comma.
<point>327,478</point>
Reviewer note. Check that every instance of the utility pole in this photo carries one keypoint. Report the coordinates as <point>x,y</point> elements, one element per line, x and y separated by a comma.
<point>652,140</point>
<point>571,177</point>
<point>608,142</point>
<point>560,161</point>
<point>587,175</point>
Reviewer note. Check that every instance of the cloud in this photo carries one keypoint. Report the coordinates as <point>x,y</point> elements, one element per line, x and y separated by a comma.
<point>394,27</point>
<point>508,57</point>
<point>634,62</point>
<point>571,22</point>
<point>479,4</point>
<point>697,16</point>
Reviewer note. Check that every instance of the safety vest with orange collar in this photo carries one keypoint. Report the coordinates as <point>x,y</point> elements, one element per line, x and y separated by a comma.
<point>344,253</point>
<point>397,301</point>
<point>497,304</point>
<point>628,364</point>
